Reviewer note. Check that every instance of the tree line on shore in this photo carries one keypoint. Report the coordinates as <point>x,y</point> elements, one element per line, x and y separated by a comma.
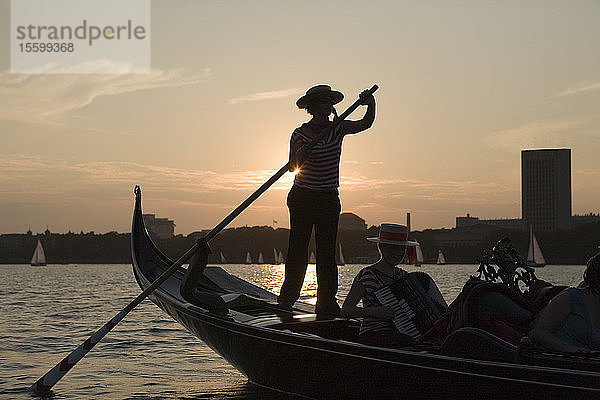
<point>459,245</point>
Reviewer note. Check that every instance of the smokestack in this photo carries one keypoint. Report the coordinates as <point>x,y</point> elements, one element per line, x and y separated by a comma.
<point>408,221</point>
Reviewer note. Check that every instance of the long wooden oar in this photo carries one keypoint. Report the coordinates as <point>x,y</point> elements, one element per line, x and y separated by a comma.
<point>51,378</point>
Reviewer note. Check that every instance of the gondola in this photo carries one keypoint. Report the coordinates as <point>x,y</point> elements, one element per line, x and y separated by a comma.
<point>295,351</point>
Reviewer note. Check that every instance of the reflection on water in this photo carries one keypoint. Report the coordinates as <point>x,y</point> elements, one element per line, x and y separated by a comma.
<point>48,311</point>
<point>271,278</point>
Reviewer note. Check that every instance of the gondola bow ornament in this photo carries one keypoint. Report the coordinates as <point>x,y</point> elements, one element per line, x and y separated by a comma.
<point>504,263</point>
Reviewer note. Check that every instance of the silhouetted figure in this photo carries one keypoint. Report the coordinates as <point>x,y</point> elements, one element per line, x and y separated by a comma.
<point>376,327</point>
<point>571,321</point>
<point>314,200</point>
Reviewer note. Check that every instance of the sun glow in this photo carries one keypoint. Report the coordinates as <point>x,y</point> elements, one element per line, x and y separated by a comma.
<point>296,171</point>
<point>272,277</point>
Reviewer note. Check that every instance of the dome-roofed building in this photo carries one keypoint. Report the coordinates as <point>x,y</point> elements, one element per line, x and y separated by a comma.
<point>352,222</point>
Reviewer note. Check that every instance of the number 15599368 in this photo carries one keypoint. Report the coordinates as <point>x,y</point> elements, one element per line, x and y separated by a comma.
<point>46,47</point>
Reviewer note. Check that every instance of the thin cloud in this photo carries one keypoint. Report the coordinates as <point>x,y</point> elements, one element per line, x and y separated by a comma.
<point>480,192</point>
<point>275,94</point>
<point>540,134</point>
<point>32,172</point>
<point>98,66</point>
<point>26,180</point>
<point>354,162</point>
<point>587,172</point>
<point>27,176</point>
<point>580,88</point>
<point>45,99</point>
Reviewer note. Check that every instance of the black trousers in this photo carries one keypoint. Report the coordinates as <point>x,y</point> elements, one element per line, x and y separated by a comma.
<point>321,210</point>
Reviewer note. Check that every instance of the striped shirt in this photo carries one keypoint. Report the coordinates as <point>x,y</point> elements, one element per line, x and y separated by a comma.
<point>321,170</point>
<point>371,283</point>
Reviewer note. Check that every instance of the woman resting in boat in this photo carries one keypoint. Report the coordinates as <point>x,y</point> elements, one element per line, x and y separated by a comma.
<point>377,328</point>
<point>571,321</point>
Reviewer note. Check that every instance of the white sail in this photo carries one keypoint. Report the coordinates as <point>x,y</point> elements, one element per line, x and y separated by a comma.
<point>281,258</point>
<point>223,260</point>
<point>248,258</point>
<point>312,259</point>
<point>39,257</point>
<point>342,260</point>
<point>275,256</point>
<point>418,255</point>
<point>441,259</point>
<point>538,257</point>
<point>534,255</point>
<point>261,259</point>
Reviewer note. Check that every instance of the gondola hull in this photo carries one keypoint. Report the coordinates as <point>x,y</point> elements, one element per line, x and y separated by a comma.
<point>316,358</point>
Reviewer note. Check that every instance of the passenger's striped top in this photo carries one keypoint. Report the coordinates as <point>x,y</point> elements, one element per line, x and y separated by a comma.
<point>371,283</point>
<point>321,171</point>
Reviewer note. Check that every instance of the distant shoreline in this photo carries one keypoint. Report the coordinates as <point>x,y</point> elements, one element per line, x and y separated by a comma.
<point>459,245</point>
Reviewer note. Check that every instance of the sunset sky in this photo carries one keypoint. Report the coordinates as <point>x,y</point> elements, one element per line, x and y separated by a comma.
<point>464,86</point>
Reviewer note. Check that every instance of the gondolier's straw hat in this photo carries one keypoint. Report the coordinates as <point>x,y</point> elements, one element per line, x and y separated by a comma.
<point>318,91</point>
<point>393,234</point>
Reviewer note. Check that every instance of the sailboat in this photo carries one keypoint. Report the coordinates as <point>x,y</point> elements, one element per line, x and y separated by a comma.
<point>341,261</point>
<point>261,259</point>
<point>223,259</point>
<point>441,260</point>
<point>275,256</point>
<point>39,257</point>
<point>248,258</point>
<point>281,258</point>
<point>419,255</point>
<point>535,258</point>
<point>312,259</point>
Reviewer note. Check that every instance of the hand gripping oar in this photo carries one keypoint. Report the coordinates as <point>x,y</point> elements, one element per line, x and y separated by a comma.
<point>46,382</point>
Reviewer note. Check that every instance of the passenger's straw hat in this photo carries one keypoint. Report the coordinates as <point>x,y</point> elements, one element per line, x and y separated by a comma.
<point>319,91</point>
<point>393,234</point>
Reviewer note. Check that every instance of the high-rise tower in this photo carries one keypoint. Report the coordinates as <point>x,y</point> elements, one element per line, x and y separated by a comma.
<point>546,189</point>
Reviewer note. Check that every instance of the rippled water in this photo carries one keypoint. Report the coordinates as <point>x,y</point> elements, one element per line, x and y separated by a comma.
<point>46,312</point>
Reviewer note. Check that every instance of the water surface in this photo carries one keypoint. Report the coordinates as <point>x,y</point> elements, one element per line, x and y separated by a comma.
<point>46,312</point>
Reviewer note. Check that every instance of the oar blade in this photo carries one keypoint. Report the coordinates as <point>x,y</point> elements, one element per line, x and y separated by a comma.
<point>51,378</point>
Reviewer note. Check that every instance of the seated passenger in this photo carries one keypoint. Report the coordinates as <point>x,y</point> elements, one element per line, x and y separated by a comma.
<point>571,321</point>
<point>377,328</point>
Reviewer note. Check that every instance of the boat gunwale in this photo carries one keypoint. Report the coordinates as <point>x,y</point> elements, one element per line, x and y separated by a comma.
<point>240,327</point>
<point>230,326</point>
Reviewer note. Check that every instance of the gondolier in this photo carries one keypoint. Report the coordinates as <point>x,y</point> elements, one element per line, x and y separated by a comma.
<point>313,200</point>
